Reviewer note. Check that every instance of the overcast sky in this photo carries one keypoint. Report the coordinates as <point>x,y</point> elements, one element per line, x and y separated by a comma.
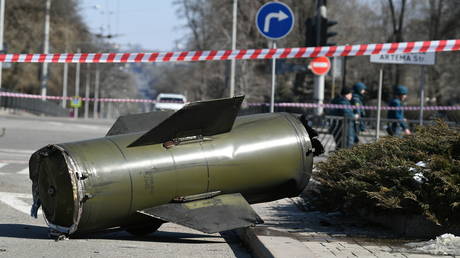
<point>151,24</point>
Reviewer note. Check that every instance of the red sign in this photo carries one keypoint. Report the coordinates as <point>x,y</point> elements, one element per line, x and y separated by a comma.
<point>320,65</point>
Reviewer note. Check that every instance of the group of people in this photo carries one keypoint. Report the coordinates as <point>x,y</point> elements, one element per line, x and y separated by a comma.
<point>351,125</point>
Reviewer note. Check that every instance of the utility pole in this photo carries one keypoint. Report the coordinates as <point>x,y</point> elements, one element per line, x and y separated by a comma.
<point>44,77</point>
<point>2,22</point>
<point>233,61</point>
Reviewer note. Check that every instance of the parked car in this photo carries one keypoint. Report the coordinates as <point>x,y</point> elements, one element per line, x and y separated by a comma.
<point>169,101</point>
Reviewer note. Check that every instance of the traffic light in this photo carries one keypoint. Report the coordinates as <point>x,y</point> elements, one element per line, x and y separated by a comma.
<point>310,32</point>
<point>312,38</point>
<point>325,35</point>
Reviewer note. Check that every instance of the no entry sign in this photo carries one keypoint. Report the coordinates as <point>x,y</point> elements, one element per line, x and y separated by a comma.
<point>320,65</point>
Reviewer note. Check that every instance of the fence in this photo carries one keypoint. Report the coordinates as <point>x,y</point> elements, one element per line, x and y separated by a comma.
<point>339,132</point>
<point>335,131</point>
<point>32,105</point>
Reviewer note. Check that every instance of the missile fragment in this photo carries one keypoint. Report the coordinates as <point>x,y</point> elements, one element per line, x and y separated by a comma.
<point>200,167</point>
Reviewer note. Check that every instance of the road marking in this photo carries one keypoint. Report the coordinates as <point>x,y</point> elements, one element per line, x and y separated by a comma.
<point>15,201</point>
<point>14,161</point>
<point>2,165</point>
<point>24,171</point>
<point>17,151</point>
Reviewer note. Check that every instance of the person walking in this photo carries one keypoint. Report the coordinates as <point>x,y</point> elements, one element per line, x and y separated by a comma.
<point>345,125</point>
<point>397,128</point>
<point>357,100</point>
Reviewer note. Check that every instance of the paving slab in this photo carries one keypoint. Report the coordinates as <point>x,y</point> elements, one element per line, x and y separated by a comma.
<point>291,232</point>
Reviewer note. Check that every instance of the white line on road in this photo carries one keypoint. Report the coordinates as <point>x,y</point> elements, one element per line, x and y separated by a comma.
<point>2,165</point>
<point>14,200</point>
<point>14,161</point>
<point>17,151</point>
<point>24,171</point>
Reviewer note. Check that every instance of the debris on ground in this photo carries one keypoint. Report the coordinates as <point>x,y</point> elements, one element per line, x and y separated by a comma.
<point>447,244</point>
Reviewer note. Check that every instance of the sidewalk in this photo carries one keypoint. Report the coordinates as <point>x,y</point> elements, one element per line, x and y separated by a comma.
<point>291,232</point>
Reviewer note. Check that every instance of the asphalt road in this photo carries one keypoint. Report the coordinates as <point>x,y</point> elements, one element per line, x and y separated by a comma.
<point>23,236</point>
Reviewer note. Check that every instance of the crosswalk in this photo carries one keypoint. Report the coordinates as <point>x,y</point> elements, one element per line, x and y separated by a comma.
<point>13,168</point>
<point>19,201</point>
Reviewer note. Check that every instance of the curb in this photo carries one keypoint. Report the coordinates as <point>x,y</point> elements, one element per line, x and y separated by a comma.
<point>272,246</point>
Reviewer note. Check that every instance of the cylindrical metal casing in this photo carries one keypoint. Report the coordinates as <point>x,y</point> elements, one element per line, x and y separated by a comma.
<point>97,184</point>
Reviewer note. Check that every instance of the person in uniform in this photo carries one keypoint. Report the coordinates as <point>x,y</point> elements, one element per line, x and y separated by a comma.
<point>397,128</point>
<point>359,89</point>
<point>339,126</point>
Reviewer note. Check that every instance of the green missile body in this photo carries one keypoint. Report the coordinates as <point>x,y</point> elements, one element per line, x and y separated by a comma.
<point>201,167</point>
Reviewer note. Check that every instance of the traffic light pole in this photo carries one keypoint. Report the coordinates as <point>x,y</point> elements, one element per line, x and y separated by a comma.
<point>319,80</point>
<point>319,93</point>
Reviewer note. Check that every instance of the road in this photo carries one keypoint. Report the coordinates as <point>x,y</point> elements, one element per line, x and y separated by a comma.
<point>23,236</point>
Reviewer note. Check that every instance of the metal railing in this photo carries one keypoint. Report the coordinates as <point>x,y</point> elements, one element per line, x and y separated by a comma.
<point>35,106</point>
<point>334,132</point>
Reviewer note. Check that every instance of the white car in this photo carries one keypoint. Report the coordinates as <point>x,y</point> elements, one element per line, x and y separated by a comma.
<point>168,101</point>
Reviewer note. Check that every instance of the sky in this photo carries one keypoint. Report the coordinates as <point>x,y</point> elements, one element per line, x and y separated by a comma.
<point>152,24</point>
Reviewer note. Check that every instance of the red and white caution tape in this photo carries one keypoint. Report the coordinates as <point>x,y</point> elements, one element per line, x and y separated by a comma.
<point>213,55</point>
<point>295,105</point>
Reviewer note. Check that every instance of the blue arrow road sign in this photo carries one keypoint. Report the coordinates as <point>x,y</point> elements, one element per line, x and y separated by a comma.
<point>274,20</point>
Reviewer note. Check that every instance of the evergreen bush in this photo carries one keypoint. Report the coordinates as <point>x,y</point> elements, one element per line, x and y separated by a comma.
<point>418,174</point>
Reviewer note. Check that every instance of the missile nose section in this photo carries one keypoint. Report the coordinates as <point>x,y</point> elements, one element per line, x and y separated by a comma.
<point>50,171</point>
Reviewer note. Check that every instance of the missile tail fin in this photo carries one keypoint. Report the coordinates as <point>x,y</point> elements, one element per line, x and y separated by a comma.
<point>216,214</point>
<point>205,118</point>
<point>138,122</point>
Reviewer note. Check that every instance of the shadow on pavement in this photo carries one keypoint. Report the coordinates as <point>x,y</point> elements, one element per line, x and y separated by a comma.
<point>39,232</point>
<point>23,231</point>
<point>295,220</point>
<point>159,236</point>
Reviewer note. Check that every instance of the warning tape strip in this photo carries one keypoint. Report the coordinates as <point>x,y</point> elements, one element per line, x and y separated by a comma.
<point>297,105</point>
<point>212,55</point>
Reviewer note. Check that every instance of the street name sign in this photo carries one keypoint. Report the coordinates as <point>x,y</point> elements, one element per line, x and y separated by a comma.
<point>274,20</point>
<point>405,58</point>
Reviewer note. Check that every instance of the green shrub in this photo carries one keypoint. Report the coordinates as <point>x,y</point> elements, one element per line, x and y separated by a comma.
<point>379,177</point>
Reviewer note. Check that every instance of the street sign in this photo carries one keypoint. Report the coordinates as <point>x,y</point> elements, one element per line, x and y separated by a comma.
<point>75,102</point>
<point>274,20</point>
<point>417,58</point>
<point>320,65</point>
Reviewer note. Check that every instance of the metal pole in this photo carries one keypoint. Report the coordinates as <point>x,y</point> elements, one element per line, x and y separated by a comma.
<point>379,104</point>
<point>272,100</point>
<point>422,92</point>
<point>96,93</point>
<point>88,77</point>
<point>109,110</point>
<point>334,72</point>
<point>44,77</point>
<point>2,18</point>
<point>64,85</point>
<point>321,12</point>
<point>319,93</point>
<point>233,61</point>
<point>344,72</point>
<point>77,86</point>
